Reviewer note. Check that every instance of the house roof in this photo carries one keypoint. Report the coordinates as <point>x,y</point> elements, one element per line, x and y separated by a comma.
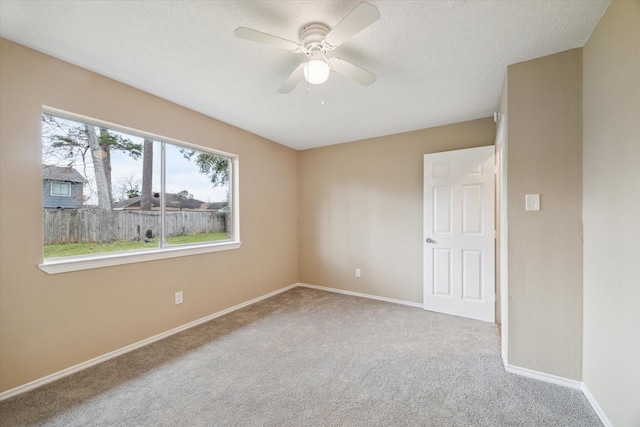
<point>58,173</point>
<point>172,200</point>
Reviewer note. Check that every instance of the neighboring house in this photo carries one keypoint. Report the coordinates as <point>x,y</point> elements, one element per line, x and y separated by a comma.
<point>216,206</point>
<point>172,201</point>
<point>62,187</point>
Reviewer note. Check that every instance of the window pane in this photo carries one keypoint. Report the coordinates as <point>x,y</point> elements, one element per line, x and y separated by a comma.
<point>103,191</point>
<point>137,198</point>
<point>197,196</point>
<point>60,188</point>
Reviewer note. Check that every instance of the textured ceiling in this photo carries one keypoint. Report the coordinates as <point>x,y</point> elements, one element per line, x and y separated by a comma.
<point>437,62</point>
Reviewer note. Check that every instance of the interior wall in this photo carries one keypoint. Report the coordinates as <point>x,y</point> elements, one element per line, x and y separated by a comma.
<point>611,213</point>
<point>361,207</point>
<point>52,322</point>
<point>544,157</point>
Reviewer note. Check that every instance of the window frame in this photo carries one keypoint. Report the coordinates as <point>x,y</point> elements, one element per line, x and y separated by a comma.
<point>68,185</point>
<point>84,262</point>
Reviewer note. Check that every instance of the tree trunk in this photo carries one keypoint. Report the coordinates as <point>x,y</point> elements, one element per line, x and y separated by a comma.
<point>106,148</point>
<point>147,175</point>
<point>107,233</point>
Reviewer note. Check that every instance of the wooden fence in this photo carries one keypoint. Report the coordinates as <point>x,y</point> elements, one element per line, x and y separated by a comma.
<point>83,225</point>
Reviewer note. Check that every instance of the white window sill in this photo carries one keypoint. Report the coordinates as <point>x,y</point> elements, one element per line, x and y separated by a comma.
<point>65,265</point>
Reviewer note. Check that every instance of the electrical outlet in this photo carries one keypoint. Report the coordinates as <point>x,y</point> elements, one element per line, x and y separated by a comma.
<point>178,297</point>
<point>358,272</point>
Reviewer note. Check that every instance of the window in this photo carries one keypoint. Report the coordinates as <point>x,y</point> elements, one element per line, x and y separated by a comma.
<point>60,188</point>
<point>140,196</point>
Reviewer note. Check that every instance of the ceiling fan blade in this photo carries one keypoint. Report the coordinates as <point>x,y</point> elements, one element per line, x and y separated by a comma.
<point>355,73</point>
<point>293,79</point>
<point>257,36</point>
<point>358,19</point>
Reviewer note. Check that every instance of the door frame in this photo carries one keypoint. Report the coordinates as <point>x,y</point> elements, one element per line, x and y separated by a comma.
<point>502,234</point>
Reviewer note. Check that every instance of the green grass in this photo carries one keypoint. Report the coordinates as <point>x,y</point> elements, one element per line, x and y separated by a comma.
<point>73,249</point>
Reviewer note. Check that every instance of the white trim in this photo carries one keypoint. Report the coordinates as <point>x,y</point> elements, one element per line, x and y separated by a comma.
<point>65,265</point>
<point>529,373</point>
<point>132,131</point>
<point>561,381</point>
<point>358,294</point>
<point>525,372</point>
<point>542,376</point>
<point>97,360</point>
<point>594,404</point>
<point>68,264</point>
<point>501,158</point>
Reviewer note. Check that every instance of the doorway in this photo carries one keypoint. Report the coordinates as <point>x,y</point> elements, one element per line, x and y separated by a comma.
<point>459,233</point>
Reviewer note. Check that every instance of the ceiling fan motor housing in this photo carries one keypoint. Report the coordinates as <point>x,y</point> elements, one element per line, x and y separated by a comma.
<point>311,37</point>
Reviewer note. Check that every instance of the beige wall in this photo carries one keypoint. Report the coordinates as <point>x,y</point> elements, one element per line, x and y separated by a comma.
<point>611,213</point>
<point>358,205</point>
<point>51,322</point>
<point>544,156</point>
<point>361,207</point>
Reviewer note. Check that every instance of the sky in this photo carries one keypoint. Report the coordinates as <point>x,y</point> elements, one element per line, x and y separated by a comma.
<point>181,174</point>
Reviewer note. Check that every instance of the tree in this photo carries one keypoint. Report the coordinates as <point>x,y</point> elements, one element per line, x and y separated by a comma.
<point>65,140</point>
<point>217,168</point>
<point>133,192</point>
<point>105,150</point>
<point>147,175</point>
<point>126,188</point>
<point>68,141</point>
<point>105,204</point>
<point>185,194</point>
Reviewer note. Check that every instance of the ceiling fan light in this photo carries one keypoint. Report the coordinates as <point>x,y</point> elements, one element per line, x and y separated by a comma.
<point>316,71</point>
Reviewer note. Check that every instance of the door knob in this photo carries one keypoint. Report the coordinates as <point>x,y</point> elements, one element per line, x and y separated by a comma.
<point>429,240</point>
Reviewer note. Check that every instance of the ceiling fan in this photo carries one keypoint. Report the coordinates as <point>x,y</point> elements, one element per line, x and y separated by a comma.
<point>316,40</point>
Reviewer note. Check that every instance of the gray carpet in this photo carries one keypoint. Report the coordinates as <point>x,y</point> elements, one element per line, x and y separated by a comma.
<point>308,358</point>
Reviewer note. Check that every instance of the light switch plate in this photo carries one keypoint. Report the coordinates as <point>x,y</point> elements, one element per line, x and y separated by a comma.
<point>532,202</point>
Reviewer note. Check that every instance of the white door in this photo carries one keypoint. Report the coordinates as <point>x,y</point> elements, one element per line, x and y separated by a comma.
<point>459,236</point>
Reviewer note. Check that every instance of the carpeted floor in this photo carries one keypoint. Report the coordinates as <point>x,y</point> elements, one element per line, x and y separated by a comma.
<point>308,358</point>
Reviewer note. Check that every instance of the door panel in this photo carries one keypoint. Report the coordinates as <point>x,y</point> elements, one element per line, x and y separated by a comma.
<point>459,233</point>
<point>472,209</point>
<point>442,209</point>
<point>442,272</point>
<point>472,275</point>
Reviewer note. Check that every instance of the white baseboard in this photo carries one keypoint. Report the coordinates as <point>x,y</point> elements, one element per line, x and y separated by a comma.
<point>358,294</point>
<point>596,407</point>
<point>525,372</point>
<point>565,382</point>
<point>97,360</point>
<point>542,376</point>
